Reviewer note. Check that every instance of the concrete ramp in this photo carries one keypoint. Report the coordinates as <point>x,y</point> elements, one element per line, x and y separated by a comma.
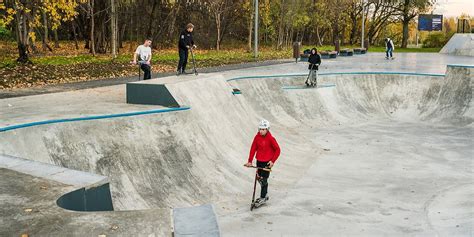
<point>383,143</point>
<point>195,221</point>
<point>460,44</point>
<point>155,92</point>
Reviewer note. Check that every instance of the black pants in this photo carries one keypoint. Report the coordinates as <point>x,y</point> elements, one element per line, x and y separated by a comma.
<point>146,68</point>
<point>264,175</point>
<point>183,59</point>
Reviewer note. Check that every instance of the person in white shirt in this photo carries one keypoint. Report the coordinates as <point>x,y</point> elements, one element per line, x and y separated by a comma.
<point>144,58</point>
<point>389,48</point>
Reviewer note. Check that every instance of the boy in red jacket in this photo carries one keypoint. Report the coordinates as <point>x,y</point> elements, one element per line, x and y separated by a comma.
<point>268,150</point>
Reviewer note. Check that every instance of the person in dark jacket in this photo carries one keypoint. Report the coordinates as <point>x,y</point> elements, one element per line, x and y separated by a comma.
<point>314,62</point>
<point>267,151</point>
<point>185,43</point>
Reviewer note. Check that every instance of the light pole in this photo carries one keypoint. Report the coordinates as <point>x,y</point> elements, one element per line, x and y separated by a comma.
<point>255,44</point>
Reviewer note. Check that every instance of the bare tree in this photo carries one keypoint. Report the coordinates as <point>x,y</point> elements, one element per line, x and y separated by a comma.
<point>220,11</point>
<point>379,13</point>
<point>409,9</point>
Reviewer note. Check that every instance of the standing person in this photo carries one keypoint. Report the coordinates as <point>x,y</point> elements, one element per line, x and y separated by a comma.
<point>267,149</point>
<point>389,48</point>
<point>185,43</point>
<point>314,61</point>
<point>144,58</point>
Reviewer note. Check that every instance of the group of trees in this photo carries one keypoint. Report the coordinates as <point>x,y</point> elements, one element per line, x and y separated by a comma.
<point>103,25</point>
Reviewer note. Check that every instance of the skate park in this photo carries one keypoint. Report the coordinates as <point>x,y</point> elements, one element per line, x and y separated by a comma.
<point>380,148</point>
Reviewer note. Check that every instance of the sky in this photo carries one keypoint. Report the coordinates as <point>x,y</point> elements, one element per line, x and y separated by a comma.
<point>450,8</point>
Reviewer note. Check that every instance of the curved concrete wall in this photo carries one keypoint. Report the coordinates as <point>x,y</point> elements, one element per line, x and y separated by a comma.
<point>180,158</point>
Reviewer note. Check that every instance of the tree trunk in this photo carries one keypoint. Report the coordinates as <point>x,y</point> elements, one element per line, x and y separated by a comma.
<point>250,29</point>
<point>46,33</point>
<point>113,28</point>
<point>56,39</point>
<point>92,43</point>
<point>151,18</point>
<point>21,35</point>
<point>130,33</point>
<point>23,52</point>
<point>281,33</point>
<point>353,31</point>
<point>405,22</point>
<point>318,37</point>
<point>405,33</point>
<point>343,35</point>
<point>23,43</point>
<point>173,22</point>
<point>218,28</point>
<point>73,28</point>
<point>122,35</point>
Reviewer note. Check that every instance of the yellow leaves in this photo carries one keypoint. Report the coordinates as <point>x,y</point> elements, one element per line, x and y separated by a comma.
<point>32,36</point>
<point>5,19</point>
<point>60,11</point>
<point>11,11</point>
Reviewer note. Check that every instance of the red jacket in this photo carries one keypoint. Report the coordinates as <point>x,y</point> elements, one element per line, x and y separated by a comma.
<point>266,147</point>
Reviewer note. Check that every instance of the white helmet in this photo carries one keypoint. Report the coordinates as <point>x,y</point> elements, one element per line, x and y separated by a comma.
<point>264,124</point>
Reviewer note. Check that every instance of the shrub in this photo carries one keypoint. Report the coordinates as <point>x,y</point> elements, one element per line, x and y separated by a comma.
<point>435,40</point>
<point>5,34</point>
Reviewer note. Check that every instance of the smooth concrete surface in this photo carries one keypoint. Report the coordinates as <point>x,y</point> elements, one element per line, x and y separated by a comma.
<point>77,179</point>
<point>195,221</point>
<point>379,154</point>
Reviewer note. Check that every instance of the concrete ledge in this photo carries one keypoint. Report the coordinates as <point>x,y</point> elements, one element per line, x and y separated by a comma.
<point>93,193</point>
<point>63,175</point>
<point>150,94</point>
<point>334,74</point>
<point>195,221</point>
<point>460,65</point>
<point>154,92</point>
<point>87,118</point>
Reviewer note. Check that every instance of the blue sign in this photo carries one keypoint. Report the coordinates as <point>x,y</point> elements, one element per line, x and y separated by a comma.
<point>430,22</point>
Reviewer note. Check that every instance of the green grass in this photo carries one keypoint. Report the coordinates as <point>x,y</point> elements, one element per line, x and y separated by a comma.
<point>7,62</point>
<point>206,57</point>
